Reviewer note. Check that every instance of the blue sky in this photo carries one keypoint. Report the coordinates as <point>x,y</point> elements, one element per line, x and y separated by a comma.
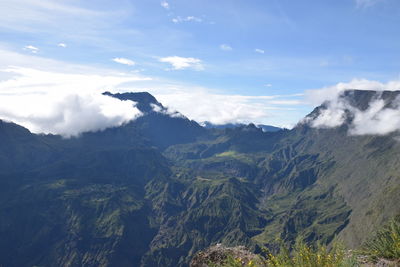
<point>222,61</point>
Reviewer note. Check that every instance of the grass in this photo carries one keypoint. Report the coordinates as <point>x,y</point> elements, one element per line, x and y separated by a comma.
<point>301,255</point>
<point>385,243</point>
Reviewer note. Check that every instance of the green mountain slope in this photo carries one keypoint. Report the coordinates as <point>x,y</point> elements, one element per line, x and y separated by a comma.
<point>156,190</point>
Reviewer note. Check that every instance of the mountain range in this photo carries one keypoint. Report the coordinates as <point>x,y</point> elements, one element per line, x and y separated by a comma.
<point>156,190</point>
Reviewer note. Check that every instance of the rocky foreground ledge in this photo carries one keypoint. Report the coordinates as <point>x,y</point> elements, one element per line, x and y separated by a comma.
<point>218,254</point>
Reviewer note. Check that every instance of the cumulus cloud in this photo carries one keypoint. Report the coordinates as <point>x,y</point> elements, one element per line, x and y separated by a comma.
<point>68,115</point>
<point>180,19</point>
<point>164,4</point>
<point>381,116</point>
<point>31,48</point>
<point>63,103</point>
<point>124,61</point>
<point>225,47</point>
<point>260,51</point>
<point>62,45</point>
<point>180,63</point>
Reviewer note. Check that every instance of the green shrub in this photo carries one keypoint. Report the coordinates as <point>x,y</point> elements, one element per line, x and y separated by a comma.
<point>301,255</point>
<point>385,243</point>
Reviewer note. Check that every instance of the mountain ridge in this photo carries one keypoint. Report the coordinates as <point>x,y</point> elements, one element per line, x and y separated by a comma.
<point>158,189</point>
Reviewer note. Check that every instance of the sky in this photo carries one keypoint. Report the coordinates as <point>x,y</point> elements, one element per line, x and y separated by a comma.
<point>261,61</point>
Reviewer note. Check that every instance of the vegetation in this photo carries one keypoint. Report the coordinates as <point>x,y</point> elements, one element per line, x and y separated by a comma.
<point>301,255</point>
<point>385,243</point>
<point>155,191</point>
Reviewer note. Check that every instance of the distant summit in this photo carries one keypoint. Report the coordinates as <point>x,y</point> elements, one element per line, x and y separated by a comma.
<point>145,101</point>
<point>358,109</point>
<point>263,127</point>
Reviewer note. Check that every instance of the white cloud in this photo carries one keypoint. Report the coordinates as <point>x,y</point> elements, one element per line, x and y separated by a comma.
<point>62,45</point>
<point>366,3</point>
<point>215,108</point>
<point>56,87</point>
<point>180,63</point>
<point>71,21</point>
<point>68,115</point>
<point>376,119</point>
<point>56,97</point>
<point>32,48</point>
<point>260,51</point>
<point>317,96</point>
<point>27,15</point>
<point>225,47</point>
<point>268,85</point>
<point>331,117</point>
<point>165,4</point>
<point>180,19</point>
<point>203,104</point>
<point>124,61</point>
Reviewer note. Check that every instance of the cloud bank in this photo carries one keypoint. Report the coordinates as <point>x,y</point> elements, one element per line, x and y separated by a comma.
<point>68,115</point>
<point>202,105</point>
<point>379,118</point>
<point>63,103</point>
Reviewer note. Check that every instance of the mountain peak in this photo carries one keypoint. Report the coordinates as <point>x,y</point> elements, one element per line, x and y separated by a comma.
<point>146,102</point>
<point>359,99</point>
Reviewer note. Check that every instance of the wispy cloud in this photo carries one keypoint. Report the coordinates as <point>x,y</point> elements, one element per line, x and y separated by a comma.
<point>165,4</point>
<point>180,63</point>
<point>180,19</point>
<point>60,20</point>
<point>260,51</point>
<point>62,45</point>
<point>366,3</point>
<point>225,47</point>
<point>124,61</point>
<point>31,48</point>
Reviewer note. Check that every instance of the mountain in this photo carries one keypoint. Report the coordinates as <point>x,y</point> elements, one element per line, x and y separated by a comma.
<point>158,189</point>
<point>268,128</point>
<point>265,128</point>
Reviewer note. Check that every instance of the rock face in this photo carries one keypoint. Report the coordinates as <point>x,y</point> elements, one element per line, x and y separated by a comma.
<point>218,255</point>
